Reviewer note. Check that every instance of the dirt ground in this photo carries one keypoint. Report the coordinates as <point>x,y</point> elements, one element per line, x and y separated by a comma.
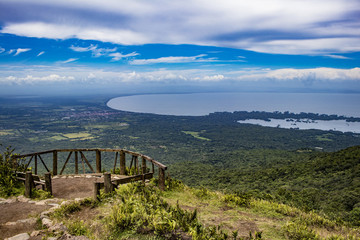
<point>63,188</point>
<point>13,212</point>
<point>70,188</point>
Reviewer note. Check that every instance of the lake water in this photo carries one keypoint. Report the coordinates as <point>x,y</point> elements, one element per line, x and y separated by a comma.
<point>198,104</point>
<point>335,125</point>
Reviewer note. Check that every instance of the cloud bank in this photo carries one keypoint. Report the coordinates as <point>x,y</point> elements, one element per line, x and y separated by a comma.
<point>271,26</point>
<point>89,76</point>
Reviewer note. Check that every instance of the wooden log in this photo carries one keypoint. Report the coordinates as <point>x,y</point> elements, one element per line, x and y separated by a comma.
<point>48,185</point>
<point>132,161</point>
<point>55,162</point>
<point>87,162</point>
<point>143,166</point>
<point>28,184</point>
<point>161,179</point>
<point>108,187</point>
<point>122,163</point>
<point>115,161</point>
<point>96,191</point>
<point>29,163</point>
<point>153,167</point>
<point>98,161</point>
<point>66,163</point>
<point>137,165</point>
<point>132,179</point>
<point>36,165</point>
<point>47,169</point>
<point>76,163</point>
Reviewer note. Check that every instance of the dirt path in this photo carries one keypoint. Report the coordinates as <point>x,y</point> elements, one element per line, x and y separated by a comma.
<point>11,213</point>
<point>19,215</point>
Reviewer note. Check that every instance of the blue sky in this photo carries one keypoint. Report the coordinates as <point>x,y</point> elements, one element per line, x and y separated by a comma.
<point>134,46</point>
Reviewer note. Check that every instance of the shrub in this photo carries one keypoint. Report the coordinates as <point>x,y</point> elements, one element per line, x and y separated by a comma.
<point>237,199</point>
<point>77,228</point>
<point>299,231</point>
<point>8,166</point>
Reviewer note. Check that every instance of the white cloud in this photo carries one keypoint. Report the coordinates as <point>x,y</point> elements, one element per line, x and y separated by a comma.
<point>70,60</point>
<point>275,26</point>
<point>40,53</point>
<point>96,52</point>
<point>117,56</point>
<point>179,59</point>
<point>314,74</point>
<point>336,56</point>
<point>93,76</point>
<point>21,50</point>
<point>29,79</point>
<point>2,50</point>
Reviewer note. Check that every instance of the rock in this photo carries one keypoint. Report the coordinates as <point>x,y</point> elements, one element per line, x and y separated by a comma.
<point>5,201</point>
<point>21,236</point>
<point>52,238</point>
<point>58,227</point>
<point>88,176</point>
<point>45,214</point>
<point>32,202</point>
<point>67,236</point>
<point>21,198</point>
<point>47,222</point>
<point>10,223</point>
<point>77,176</point>
<point>77,199</point>
<point>35,233</point>
<point>41,203</point>
<point>27,221</point>
<point>54,205</point>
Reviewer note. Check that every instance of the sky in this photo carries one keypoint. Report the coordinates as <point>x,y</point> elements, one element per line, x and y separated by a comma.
<point>141,46</point>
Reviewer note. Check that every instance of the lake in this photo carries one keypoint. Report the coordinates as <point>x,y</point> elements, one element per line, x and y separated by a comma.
<point>302,124</point>
<point>199,104</point>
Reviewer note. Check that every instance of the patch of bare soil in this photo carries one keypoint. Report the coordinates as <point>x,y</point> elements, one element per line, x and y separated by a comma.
<point>70,188</point>
<point>11,213</point>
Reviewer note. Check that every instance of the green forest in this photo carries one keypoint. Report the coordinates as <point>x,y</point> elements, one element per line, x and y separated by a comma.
<point>312,170</point>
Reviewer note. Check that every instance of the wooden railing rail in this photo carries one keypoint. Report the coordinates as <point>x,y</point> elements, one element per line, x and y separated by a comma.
<point>79,155</point>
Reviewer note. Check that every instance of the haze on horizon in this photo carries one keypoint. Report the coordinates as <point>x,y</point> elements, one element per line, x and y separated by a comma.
<point>137,46</point>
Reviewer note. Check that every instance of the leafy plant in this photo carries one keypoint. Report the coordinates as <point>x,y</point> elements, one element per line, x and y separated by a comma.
<point>8,167</point>
<point>77,228</point>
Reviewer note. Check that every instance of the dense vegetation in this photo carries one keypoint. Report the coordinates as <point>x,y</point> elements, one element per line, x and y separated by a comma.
<point>304,168</point>
<point>138,212</point>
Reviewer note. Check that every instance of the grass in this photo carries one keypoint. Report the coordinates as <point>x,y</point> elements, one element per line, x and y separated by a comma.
<point>324,137</point>
<point>196,135</point>
<point>77,135</point>
<point>138,212</point>
<point>58,138</point>
<point>5,132</point>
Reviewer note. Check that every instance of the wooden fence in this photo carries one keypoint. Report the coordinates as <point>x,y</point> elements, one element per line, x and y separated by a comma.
<point>120,156</point>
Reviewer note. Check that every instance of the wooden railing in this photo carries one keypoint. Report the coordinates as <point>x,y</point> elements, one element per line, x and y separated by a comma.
<point>119,154</point>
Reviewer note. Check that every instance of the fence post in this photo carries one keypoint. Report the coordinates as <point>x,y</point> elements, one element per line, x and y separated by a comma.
<point>55,158</point>
<point>98,161</point>
<point>161,179</point>
<point>96,191</point>
<point>108,188</point>
<point>36,166</point>
<point>122,163</point>
<point>48,185</point>
<point>143,166</point>
<point>76,163</point>
<point>28,184</point>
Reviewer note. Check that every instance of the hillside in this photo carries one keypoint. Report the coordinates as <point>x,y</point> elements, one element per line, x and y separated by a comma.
<point>136,211</point>
<point>328,182</point>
